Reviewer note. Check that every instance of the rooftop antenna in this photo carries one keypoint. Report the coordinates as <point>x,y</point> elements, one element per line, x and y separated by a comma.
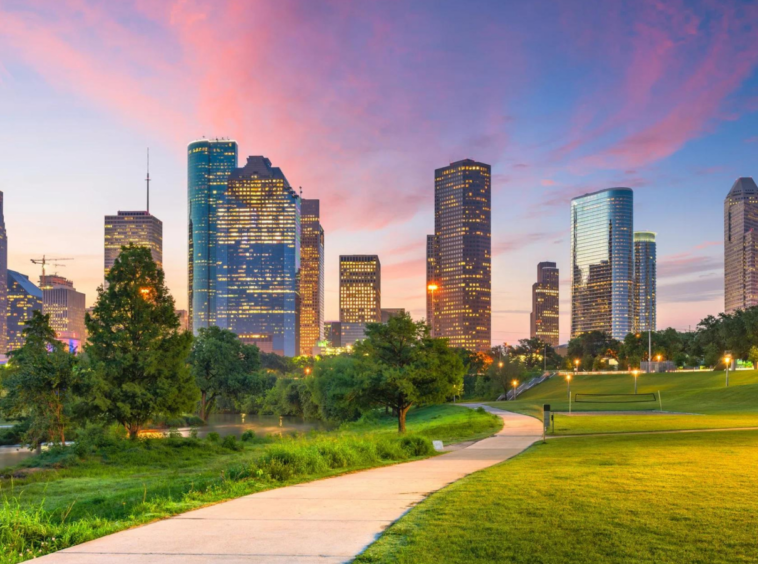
<point>301,191</point>
<point>147,180</point>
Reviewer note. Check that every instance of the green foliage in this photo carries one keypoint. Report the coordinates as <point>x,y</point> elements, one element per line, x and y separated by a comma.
<point>231,442</point>
<point>40,384</point>
<point>213,437</point>
<point>335,388</point>
<point>503,372</point>
<point>222,366</point>
<point>291,397</point>
<point>248,436</point>
<point>135,347</point>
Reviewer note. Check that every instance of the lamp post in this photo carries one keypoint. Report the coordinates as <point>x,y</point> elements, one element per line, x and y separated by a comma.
<point>432,287</point>
<point>728,362</point>
<point>636,373</point>
<point>307,370</point>
<point>568,385</point>
<point>514,383</point>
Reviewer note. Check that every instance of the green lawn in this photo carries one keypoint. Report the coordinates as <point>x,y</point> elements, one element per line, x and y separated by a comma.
<point>676,498</point>
<point>74,500</point>
<point>701,396</point>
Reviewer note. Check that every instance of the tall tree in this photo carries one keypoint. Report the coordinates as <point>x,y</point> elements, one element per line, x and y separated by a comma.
<point>222,366</point>
<point>402,366</point>
<point>504,371</point>
<point>135,345</point>
<point>40,383</point>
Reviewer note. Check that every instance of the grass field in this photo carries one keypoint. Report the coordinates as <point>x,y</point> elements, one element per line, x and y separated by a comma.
<point>71,500</point>
<point>676,498</point>
<point>701,397</point>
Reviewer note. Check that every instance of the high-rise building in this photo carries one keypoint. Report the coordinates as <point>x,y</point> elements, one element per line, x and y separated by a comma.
<point>139,228</point>
<point>602,263</point>
<point>258,258</point>
<point>3,276</point>
<point>66,308</point>
<point>333,333</point>
<point>459,269</point>
<point>209,163</point>
<point>544,317</point>
<point>311,276</point>
<point>741,246</point>
<point>183,317</point>
<point>360,295</point>
<point>391,312</point>
<point>644,281</point>
<point>23,299</point>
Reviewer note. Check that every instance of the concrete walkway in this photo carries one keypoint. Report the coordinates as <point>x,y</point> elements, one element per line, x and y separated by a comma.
<point>326,521</point>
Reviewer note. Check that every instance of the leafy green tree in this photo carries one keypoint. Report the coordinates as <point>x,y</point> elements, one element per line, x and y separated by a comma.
<point>335,387</point>
<point>753,356</point>
<point>222,366</point>
<point>40,383</point>
<point>402,366</point>
<point>135,346</point>
<point>504,372</point>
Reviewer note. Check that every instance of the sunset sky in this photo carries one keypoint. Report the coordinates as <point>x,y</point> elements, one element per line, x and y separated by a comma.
<point>358,103</point>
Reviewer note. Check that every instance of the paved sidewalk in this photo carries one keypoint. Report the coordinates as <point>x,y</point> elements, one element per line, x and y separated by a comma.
<point>326,521</point>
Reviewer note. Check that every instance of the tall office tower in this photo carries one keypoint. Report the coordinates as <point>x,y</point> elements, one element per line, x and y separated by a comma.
<point>459,270</point>
<point>644,281</point>
<point>311,277</point>
<point>391,312</point>
<point>741,246</point>
<point>209,163</point>
<point>183,319</point>
<point>360,295</point>
<point>258,271</point>
<point>3,276</point>
<point>136,227</point>
<point>602,263</point>
<point>66,308</point>
<point>333,333</point>
<point>23,299</point>
<point>544,317</point>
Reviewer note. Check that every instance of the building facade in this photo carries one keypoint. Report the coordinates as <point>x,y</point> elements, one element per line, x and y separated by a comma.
<point>644,281</point>
<point>258,258</point>
<point>602,263</point>
<point>333,333</point>
<point>391,312</point>
<point>459,270</point>
<point>139,228</point>
<point>66,308</point>
<point>545,305</point>
<point>311,276</point>
<point>741,246</point>
<point>360,295</point>
<point>24,297</point>
<point>3,276</point>
<point>209,163</point>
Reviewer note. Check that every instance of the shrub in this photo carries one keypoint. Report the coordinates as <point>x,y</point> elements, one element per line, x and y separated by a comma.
<point>213,437</point>
<point>416,446</point>
<point>231,442</point>
<point>248,436</point>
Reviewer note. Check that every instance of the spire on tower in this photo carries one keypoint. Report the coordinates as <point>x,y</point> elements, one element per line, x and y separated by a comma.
<point>147,180</point>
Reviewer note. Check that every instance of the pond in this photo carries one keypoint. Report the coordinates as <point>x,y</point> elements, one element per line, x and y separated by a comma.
<point>12,455</point>
<point>236,424</point>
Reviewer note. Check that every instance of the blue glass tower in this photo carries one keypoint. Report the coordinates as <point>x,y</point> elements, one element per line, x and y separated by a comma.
<point>209,163</point>
<point>602,263</point>
<point>258,234</point>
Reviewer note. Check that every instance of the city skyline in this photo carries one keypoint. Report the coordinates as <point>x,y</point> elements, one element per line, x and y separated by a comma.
<point>669,131</point>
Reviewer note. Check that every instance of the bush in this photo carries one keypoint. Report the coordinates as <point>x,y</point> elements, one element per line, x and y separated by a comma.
<point>416,446</point>
<point>213,437</point>
<point>231,442</point>
<point>248,436</point>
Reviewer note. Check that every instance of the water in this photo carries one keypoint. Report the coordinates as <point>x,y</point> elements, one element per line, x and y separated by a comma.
<point>12,455</point>
<point>236,424</point>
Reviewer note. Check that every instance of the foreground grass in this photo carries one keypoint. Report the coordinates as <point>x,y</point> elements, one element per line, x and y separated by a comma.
<point>701,397</point>
<point>637,499</point>
<point>70,500</point>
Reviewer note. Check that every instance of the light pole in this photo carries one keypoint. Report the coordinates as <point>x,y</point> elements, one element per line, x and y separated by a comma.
<point>576,365</point>
<point>432,287</point>
<point>636,373</point>
<point>728,362</point>
<point>568,385</point>
<point>514,383</point>
<point>307,370</point>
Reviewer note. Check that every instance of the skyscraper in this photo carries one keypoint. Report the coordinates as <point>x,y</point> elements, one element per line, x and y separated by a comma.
<point>544,317</point>
<point>209,163</point>
<point>391,312</point>
<point>459,274</point>
<point>333,333</point>
<point>360,295</point>
<point>741,246</point>
<point>66,308</point>
<point>137,227</point>
<point>644,281</point>
<point>602,263</point>
<point>311,277</point>
<point>23,299</point>
<point>258,258</point>
<point>3,276</point>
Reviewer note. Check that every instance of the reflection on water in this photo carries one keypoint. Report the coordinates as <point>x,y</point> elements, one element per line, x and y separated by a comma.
<point>236,424</point>
<point>12,455</point>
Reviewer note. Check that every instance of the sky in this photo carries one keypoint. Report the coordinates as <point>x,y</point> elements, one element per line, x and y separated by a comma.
<point>358,102</point>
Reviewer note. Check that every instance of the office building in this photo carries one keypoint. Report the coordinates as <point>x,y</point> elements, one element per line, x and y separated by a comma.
<point>360,295</point>
<point>644,281</point>
<point>66,309</point>
<point>741,246</point>
<point>23,299</point>
<point>139,228</point>
<point>459,270</point>
<point>545,305</point>
<point>333,333</point>
<point>391,312</point>
<point>311,276</point>
<point>602,263</point>
<point>183,317</point>
<point>258,258</point>
<point>3,276</point>
<point>209,163</point>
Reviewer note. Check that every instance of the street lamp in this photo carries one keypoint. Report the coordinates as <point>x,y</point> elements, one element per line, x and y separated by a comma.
<point>514,383</point>
<point>432,287</point>
<point>576,365</point>
<point>568,384</point>
<point>500,364</point>
<point>636,373</point>
<point>728,362</point>
<point>307,370</point>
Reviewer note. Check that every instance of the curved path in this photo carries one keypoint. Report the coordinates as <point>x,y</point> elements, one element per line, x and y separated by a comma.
<point>326,521</point>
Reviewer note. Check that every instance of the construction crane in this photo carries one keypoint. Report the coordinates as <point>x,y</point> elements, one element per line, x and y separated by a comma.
<point>44,261</point>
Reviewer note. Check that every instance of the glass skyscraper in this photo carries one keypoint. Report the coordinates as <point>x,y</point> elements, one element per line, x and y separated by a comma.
<point>66,308</point>
<point>360,295</point>
<point>311,277</point>
<point>24,297</point>
<point>209,163</point>
<point>741,246</point>
<point>644,281</point>
<point>602,262</point>
<point>459,265</point>
<point>137,227</point>
<point>257,234</point>
<point>544,317</point>
<point>3,276</point>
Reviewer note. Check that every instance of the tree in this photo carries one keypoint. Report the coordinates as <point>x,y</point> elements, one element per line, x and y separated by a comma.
<point>335,388</point>
<point>402,366</point>
<point>753,356</point>
<point>40,383</point>
<point>511,369</point>
<point>135,346</point>
<point>222,366</point>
